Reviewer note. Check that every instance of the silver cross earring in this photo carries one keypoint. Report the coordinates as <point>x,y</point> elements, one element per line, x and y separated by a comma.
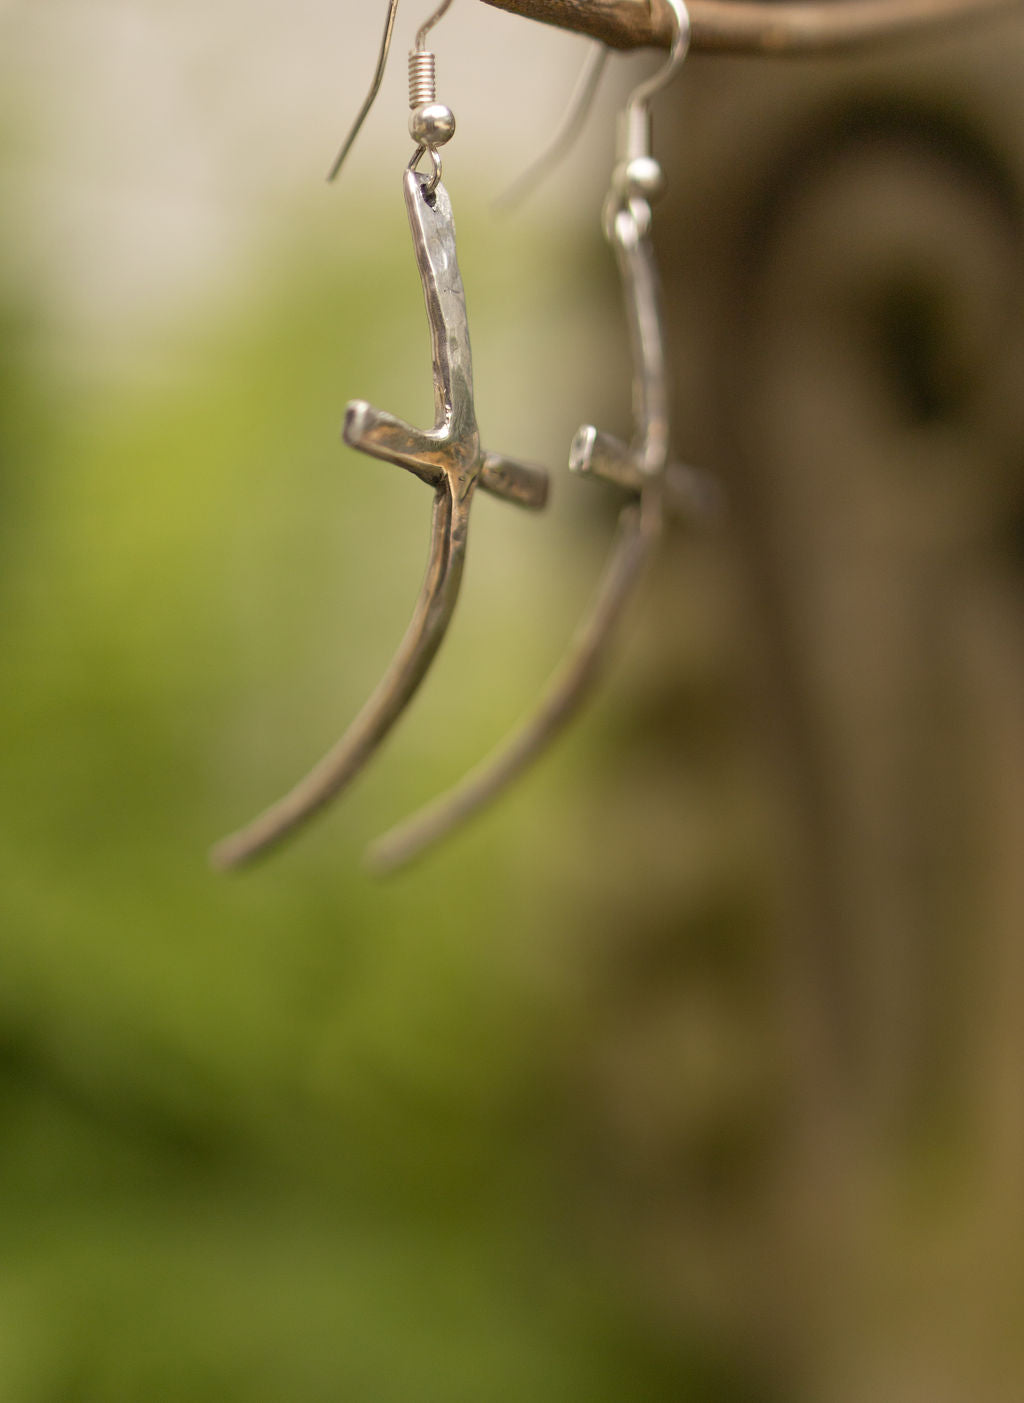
<point>641,468</point>
<point>449,457</point>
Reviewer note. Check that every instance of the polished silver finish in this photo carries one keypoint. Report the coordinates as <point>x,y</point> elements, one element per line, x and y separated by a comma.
<point>450,459</point>
<point>640,468</point>
<point>433,124</point>
<point>644,176</point>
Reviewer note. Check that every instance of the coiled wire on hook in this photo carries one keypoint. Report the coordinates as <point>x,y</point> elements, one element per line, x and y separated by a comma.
<point>422,83</point>
<point>422,77</point>
<point>431,123</point>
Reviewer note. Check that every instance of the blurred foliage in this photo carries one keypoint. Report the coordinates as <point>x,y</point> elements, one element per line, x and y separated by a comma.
<point>292,1136</point>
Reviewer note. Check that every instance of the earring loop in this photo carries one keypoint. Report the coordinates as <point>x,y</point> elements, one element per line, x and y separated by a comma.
<point>434,179</point>
<point>378,78</point>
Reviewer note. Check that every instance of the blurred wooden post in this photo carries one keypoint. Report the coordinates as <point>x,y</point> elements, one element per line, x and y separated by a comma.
<point>809,1025</point>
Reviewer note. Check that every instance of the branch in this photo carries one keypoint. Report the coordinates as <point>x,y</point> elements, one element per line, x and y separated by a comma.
<point>752,26</point>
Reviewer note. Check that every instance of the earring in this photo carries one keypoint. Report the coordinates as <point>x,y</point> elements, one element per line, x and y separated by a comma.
<point>641,468</point>
<point>448,457</point>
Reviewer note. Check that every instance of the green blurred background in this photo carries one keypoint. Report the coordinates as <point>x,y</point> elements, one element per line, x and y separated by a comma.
<point>692,1071</point>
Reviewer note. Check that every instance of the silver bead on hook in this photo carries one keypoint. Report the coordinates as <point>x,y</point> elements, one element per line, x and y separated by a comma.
<point>638,180</point>
<point>431,124</point>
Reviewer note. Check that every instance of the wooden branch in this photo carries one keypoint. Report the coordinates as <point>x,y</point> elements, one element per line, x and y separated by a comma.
<point>752,26</point>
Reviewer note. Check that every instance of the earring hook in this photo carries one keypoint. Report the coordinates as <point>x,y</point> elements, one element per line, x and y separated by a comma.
<point>645,91</point>
<point>378,77</point>
<point>439,14</point>
<point>635,167</point>
<point>371,97</point>
<point>582,99</point>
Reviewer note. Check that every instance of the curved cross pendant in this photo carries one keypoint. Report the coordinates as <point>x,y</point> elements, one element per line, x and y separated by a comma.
<point>655,486</point>
<point>450,458</point>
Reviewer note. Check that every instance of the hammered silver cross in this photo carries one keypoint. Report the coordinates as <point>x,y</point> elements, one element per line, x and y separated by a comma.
<point>448,457</point>
<point>657,488</point>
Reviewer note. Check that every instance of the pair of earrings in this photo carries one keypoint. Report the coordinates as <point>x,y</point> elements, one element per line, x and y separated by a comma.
<point>451,459</point>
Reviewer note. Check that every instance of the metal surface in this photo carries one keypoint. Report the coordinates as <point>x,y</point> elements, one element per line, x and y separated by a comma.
<point>641,468</point>
<point>371,96</point>
<point>450,459</point>
<point>424,29</point>
<point>754,26</point>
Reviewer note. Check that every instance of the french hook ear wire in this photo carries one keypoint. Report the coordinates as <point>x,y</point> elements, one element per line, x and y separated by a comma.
<point>424,30</point>
<point>378,77</point>
<point>371,97</point>
<point>580,103</point>
<point>650,87</point>
<point>634,138</point>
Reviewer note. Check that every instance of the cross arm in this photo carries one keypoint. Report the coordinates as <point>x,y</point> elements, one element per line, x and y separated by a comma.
<point>520,483</point>
<point>689,492</point>
<point>385,436</point>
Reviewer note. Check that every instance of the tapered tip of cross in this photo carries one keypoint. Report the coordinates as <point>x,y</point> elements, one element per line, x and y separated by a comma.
<point>581,450</point>
<point>596,454</point>
<point>357,415</point>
